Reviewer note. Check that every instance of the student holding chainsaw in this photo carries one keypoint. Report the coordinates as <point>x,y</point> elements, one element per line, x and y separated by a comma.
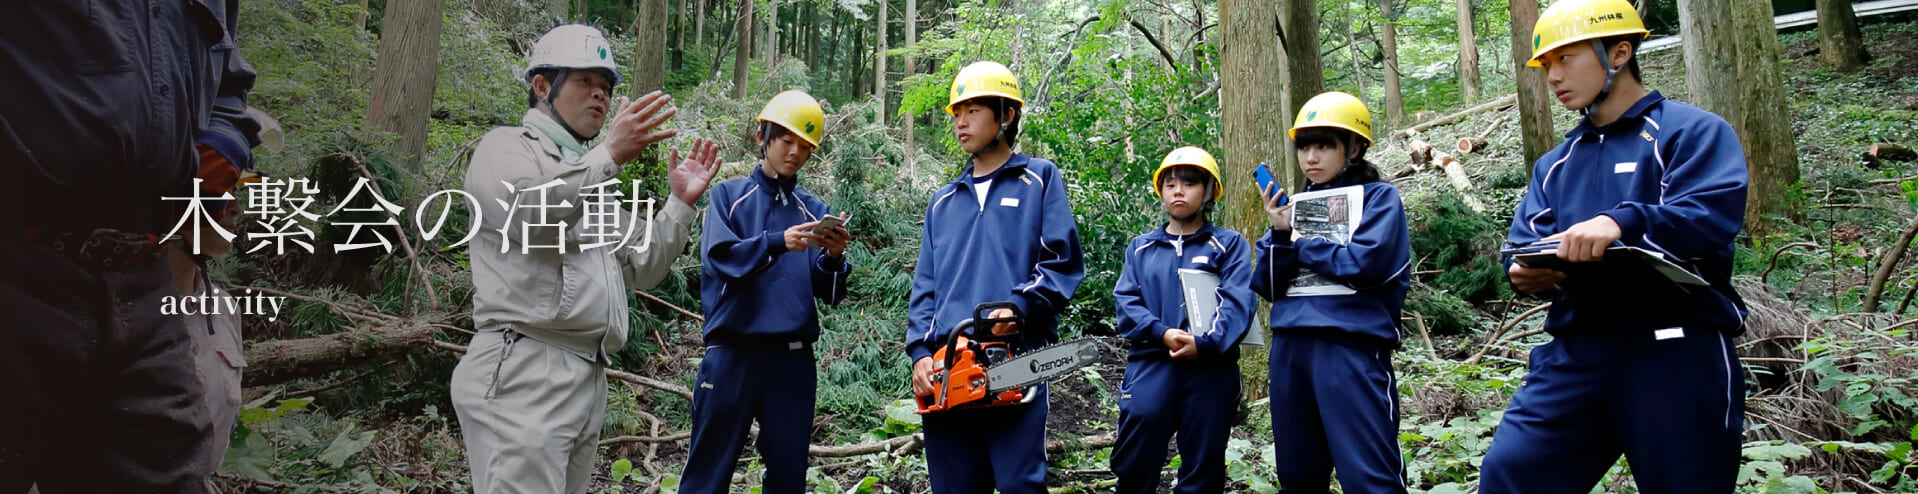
<point>1002,231</point>
<point>1180,378</point>
<point>765,263</point>
<point>1335,311</point>
<point>1638,366</point>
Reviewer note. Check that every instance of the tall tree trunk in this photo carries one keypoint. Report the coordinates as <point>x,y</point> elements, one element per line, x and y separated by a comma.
<point>1467,55</point>
<point>402,94</point>
<point>830,30</point>
<point>744,27</point>
<point>770,51</point>
<point>679,38</point>
<point>580,12</point>
<point>812,36</point>
<point>1250,68</point>
<point>1731,69</point>
<point>912,38</point>
<point>879,62</point>
<point>560,9</point>
<point>1535,104</point>
<point>649,57</point>
<point>756,27</point>
<point>1838,39</point>
<point>912,35</point>
<point>857,57</point>
<point>1127,109</point>
<point>725,45</point>
<point>1771,147</point>
<point>1389,42</point>
<point>1198,28</point>
<point>699,26</point>
<point>1304,76</point>
<point>359,16</point>
<point>1352,47</point>
<point>1165,33</point>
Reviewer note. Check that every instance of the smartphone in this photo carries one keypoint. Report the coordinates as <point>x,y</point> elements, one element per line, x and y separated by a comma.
<point>1264,176</point>
<point>827,223</point>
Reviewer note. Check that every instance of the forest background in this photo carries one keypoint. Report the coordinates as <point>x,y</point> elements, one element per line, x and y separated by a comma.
<point>347,391</point>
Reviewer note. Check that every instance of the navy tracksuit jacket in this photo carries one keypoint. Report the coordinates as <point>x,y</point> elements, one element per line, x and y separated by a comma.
<point>1161,396</point>
<point>757,298</point>
<point>1020,246</point>
<point>1334,396</point>
<point>1637,366</point>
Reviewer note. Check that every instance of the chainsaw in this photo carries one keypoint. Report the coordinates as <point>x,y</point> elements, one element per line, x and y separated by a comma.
<point>980,370</point>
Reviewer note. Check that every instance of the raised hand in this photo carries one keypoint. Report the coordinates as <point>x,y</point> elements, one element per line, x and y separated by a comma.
<point>635,123</point>
<point>689,178</point>
<point>1279,216</point>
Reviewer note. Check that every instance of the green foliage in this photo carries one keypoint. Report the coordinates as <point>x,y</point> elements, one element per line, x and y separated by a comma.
<point>1255,464</point>
<point>621,469</point>
<point>1764,470</point>
<point>1102,105</point>
<point>266,436</point>
<point>1462,246</point>
<point>313,72</point>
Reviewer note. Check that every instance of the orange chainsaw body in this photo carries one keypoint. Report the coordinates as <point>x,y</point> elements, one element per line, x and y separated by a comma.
<point>964,385</point>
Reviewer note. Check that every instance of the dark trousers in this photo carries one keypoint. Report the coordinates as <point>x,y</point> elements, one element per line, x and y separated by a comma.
<point>101,391</point>
<point>737,386</point>
<point>1334,406</point>
<point>974,451</point>
<point>1675,407</point>
<point>1160,397</point>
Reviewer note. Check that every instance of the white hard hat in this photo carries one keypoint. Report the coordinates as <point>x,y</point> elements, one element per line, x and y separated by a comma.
<point>572,46</point>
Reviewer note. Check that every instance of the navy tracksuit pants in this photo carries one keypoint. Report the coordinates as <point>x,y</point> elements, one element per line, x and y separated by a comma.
<point>774,385</point>
<point>1160,397</point>
<point>975,451</point>
<point>1335,406</point>
<point>1672,401</point>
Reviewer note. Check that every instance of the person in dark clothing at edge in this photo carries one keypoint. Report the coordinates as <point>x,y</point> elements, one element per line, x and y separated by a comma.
<point>1637,365</point>
<point>1177,379</point>
<point>105,103</point>
<point>1334,395</point>
<point>765,263</point>
<point>1002,231</point>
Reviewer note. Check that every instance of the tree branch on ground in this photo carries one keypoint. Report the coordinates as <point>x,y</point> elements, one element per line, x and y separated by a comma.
<point>1497,336</point>
<point>1766,275</point>
<point>1886,264</point>
<point>1500,103</point>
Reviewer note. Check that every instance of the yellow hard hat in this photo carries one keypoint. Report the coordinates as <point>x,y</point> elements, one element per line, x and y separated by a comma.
<point>984,79</point>
<point>1571,21</point>
<point>798,112</point>
<point>1337,110</point>
<point>1191,155</point>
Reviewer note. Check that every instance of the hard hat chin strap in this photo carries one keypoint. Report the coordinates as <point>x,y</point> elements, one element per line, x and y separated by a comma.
<point>1611,74</point>
<point>552,92</point>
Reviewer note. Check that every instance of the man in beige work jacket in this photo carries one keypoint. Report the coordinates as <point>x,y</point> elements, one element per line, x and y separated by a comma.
<point>550,304</point>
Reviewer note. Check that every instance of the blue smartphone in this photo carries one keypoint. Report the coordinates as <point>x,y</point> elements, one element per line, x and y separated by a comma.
<point>1264,176</point>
